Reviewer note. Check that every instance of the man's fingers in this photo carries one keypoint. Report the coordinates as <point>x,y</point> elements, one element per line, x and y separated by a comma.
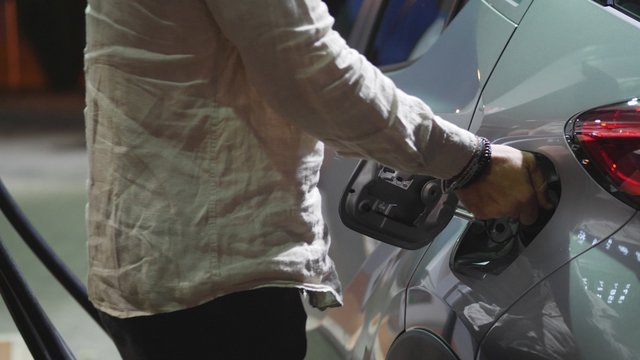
<point>529,211</point>
<point>515,188</point>
<point>539,184</point>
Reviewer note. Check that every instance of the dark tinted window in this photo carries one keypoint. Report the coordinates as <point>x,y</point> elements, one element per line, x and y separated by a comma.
<point>631,7</point>
<point>344,13</point>
<point>407,28</point>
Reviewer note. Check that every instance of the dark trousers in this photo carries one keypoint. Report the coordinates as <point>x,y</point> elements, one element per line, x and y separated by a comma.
<point>266,323</point>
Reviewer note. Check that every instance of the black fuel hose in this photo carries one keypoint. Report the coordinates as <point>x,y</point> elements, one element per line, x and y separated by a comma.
<point>21,319</point>
<point>42,339</point>
<point>45,253</point>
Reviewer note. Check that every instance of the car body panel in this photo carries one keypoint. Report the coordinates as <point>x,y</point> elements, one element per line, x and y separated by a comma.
<point>512,9</point>
<point>588,309</point>
<point>479,301</point>
<point>518,93</point>
<point>536,71</point>
<point>373,311</point>
<point>558,64</point>
<point>451,74</point>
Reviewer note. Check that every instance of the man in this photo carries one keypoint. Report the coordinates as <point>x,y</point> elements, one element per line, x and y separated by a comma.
<point>205,124</point>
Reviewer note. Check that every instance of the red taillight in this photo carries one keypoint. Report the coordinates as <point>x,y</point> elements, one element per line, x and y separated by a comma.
<point>607,142</point>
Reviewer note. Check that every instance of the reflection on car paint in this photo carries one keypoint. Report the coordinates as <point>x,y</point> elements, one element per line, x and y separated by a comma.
<point>596,318</point>
<point>614,285</point>
<point>480,313</point>
<point>533,329</point>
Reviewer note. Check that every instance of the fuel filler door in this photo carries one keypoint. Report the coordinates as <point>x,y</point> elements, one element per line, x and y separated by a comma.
<point>400,209</point>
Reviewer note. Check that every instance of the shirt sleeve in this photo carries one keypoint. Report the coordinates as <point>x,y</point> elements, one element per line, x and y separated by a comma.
<point>308,75</point>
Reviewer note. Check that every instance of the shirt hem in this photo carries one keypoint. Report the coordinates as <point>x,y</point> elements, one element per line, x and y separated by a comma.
<point>318,296</point>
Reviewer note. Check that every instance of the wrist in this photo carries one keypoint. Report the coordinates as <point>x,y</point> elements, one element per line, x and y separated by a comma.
<point>475,168</point>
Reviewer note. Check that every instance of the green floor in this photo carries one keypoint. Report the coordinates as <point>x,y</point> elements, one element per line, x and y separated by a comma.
<point>58,215</point>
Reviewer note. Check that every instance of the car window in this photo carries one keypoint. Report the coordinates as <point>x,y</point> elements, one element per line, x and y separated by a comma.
<point>344,13</point>
<point>631,7</point>
<point>407,28</point>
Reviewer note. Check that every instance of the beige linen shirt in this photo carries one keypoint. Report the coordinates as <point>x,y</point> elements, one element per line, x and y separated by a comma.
<point>205,123</point>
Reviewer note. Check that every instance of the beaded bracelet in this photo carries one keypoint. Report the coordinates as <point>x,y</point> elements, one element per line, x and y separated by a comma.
<point>473,171</point>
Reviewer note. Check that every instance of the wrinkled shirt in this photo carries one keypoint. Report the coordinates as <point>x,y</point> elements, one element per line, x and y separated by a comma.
<point>205,124</point>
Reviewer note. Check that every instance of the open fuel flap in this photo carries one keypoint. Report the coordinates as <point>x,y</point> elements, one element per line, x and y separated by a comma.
<point>409,211</point>
<point>401,209</point>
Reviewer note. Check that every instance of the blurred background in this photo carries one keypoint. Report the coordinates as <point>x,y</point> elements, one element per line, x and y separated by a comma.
<point>43,163</point>
<point>43,42</point>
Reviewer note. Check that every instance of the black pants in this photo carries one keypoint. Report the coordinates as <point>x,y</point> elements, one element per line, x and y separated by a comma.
<point>266,323</point>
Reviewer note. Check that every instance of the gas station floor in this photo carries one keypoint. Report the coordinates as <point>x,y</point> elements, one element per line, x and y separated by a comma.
<point>45,173</point>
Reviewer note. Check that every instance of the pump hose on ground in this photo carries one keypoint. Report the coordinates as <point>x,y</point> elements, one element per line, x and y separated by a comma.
<point>41,337</point>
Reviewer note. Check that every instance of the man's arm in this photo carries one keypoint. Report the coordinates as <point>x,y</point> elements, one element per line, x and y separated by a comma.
<point>308,75</point>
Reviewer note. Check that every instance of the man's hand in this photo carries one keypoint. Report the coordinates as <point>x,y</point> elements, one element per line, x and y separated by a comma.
<point>513,186</point>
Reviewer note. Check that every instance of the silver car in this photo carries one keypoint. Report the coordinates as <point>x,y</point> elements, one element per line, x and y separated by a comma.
<point>559,78</point>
